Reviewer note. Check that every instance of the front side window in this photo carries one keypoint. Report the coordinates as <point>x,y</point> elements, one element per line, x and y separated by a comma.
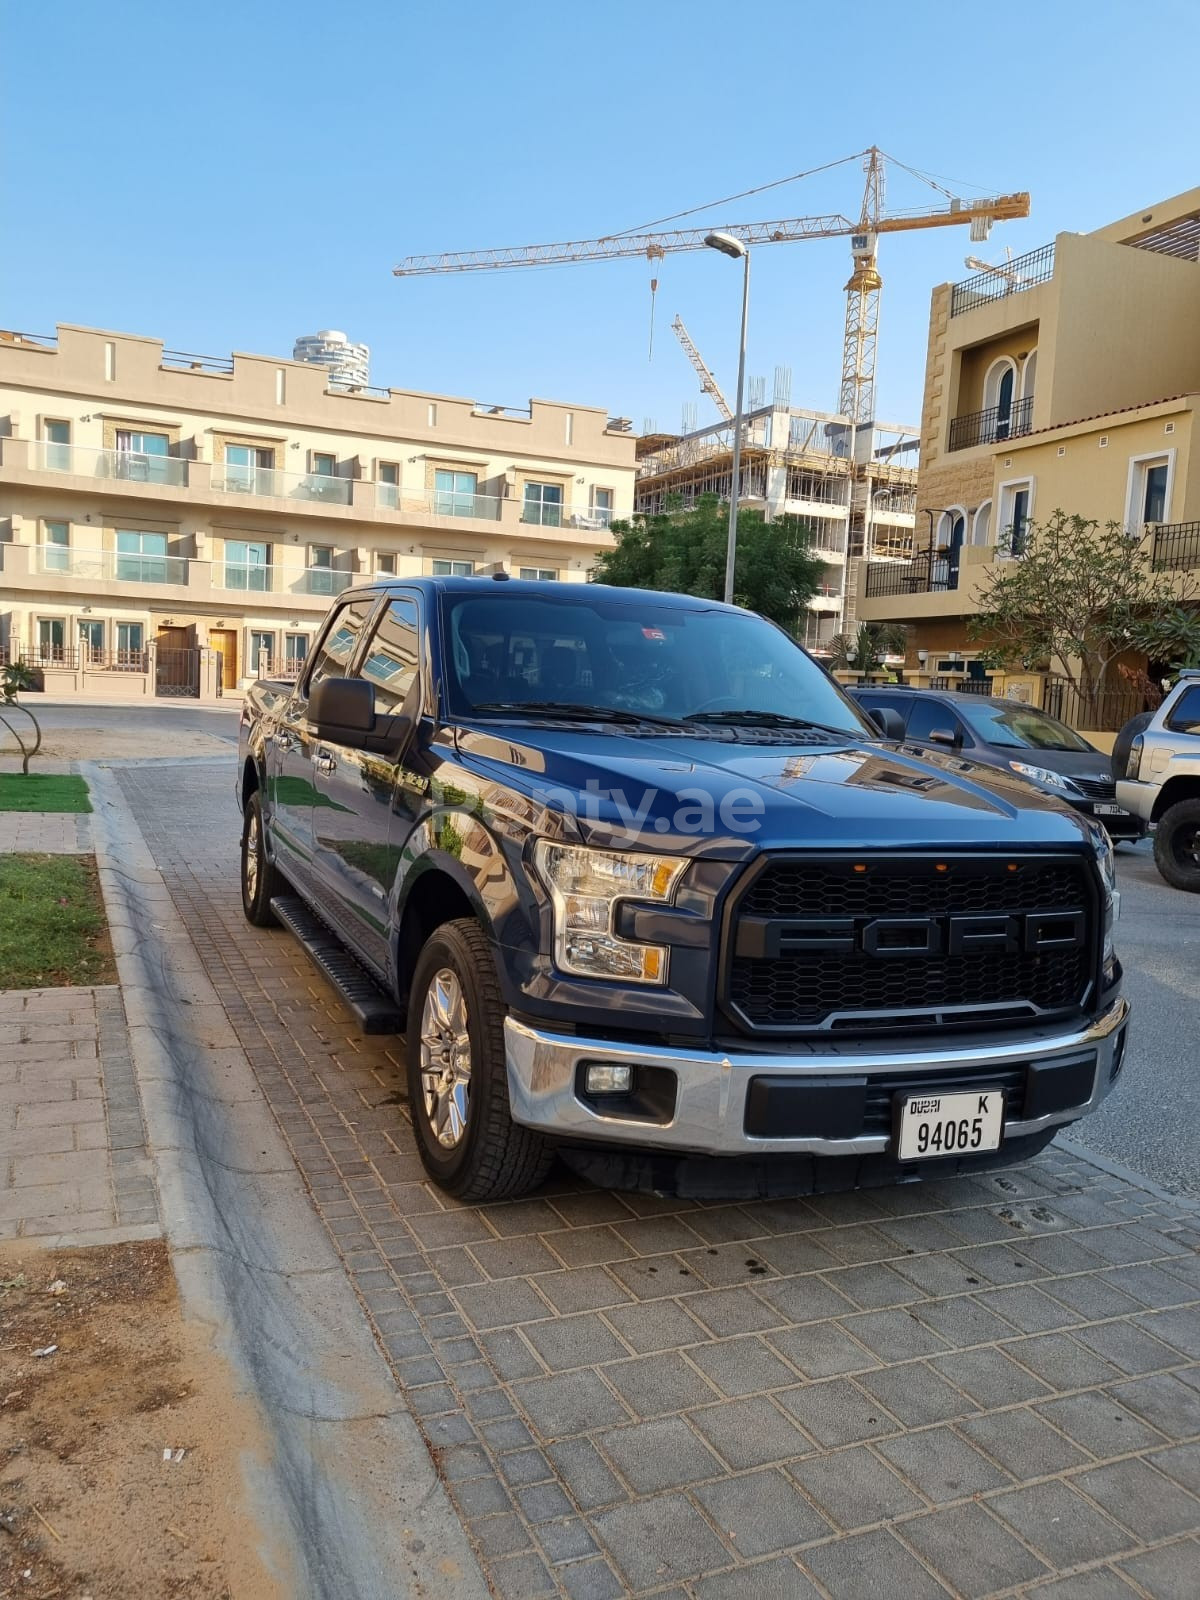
<point>930,716</point>
<point>1185,714</point>
<point>56,555</point>
<point>543,504</point>
<point>454,493</point>
<point>247,565</point>
<point>340,642</point>
<point>141,557</point>
<point>392,658</point>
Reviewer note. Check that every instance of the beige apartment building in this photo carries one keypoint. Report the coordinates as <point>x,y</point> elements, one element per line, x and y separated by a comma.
<point>1067,379</point>
<point>171,522</point>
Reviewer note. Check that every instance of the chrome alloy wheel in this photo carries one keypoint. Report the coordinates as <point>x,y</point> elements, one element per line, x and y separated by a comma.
<point>446,1059</point>
<point>253,843</point>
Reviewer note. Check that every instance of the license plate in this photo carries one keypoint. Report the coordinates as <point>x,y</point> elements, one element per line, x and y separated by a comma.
<point>950,1124</point>
<point>1106,810</point>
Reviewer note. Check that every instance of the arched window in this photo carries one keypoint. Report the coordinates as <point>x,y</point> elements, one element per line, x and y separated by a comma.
<point>1029,375</point>
<point>951,531</point>
<point>951,528</point>
<point>981,525</point>
<point>999,388</point>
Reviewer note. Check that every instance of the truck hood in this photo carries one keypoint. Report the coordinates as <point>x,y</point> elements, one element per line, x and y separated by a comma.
<point>710,796</point>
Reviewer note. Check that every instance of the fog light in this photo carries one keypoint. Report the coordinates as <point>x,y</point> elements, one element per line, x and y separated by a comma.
<point>608,1079</point>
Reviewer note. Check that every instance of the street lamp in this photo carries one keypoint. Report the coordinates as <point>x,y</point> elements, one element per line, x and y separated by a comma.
<point>729,246</point>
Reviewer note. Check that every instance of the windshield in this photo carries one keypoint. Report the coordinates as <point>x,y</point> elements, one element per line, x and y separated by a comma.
<point>631,656</point>
<point>1017,727</point>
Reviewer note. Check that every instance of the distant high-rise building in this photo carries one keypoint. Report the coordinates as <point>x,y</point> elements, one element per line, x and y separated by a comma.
<point>348,363</point>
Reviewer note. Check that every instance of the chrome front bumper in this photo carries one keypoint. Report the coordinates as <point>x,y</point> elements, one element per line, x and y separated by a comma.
<point>710,1107</point>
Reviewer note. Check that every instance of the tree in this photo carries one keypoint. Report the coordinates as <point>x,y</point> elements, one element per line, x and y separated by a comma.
<point>864,650</point>
<point>1079,594</point>
<point>13,678</point>
<point>683,550</point>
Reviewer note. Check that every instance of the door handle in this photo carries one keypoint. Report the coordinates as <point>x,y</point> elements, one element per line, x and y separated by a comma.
<point>282,741</point>
<point>325,762</point>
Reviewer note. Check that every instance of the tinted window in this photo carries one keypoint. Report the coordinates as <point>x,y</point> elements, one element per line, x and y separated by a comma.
<point>339,644</point>
<point>391,659</point>
<point>1018,727</point>
<point>632,655</point>
<point>1185,714</point>
<point>928,716</point>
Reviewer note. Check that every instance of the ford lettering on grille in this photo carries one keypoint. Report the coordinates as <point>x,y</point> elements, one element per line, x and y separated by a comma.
<point>1030,932</point>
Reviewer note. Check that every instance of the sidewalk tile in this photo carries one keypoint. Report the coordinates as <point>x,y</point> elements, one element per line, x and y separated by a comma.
<point>974,1553</point>
<point>871,1566</point>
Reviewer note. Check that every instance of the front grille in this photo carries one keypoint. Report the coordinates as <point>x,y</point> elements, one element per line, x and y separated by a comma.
<point>1096,788</point>
<point>887,986</point>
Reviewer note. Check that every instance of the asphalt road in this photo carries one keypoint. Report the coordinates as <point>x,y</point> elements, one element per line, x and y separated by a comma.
<point>1151,1122</point>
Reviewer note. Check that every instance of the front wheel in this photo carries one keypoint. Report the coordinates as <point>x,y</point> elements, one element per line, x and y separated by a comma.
<point>261,880</point>
<point>1177,845</point>
<point>457,1076</point>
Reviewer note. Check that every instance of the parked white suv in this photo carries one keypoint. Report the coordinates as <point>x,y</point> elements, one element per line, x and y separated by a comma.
<point>1161,782</point>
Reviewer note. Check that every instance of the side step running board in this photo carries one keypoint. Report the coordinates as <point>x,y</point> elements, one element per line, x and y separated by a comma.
<point>373,1010</point>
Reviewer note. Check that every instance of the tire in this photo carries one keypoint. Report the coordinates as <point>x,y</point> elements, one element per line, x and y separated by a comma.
<point>1124,740</point>
<point>465,1134</point>
<point>261,879</point>
<point>1177,845</point>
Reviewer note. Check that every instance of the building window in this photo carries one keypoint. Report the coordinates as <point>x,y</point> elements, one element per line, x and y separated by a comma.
<point>543,504</point>
<point>385,565</point>
<point>91,641</point>
<point>998,389</point>
<point>52,639</point>
<point>1151,481</point>
<point>247,466</point>
<point>262,652</point>
<point>320,569</point>
<point>451,569</point>
<point>57,435</point>
<point>388,485</point>
<point>981,525</point>
<point>295,653</point>
<point>454,493</point>
<point>539,574</point>
<point>142,457</point>
<point>141,557</point>
<point>247,565</point>
<point>130,643</point>
<point>56,542</point>
<point>322,464</point>
<point>602,507</point>
<point>1016,503</point>
<point>1029,375</point>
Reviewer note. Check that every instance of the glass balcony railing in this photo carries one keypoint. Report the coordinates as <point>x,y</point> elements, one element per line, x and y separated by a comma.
<point>113,566</point>
<point>228,478</point>
<point>321,580</point>
<point>246,577</point>
<point>130,466</point>
<point>543,514</point>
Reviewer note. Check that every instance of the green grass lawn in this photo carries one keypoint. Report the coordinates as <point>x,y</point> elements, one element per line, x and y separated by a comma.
<point>53,930</point>
<point>42,791</point>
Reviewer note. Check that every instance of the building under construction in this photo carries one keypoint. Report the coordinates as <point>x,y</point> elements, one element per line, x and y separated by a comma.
<point>855,488</point>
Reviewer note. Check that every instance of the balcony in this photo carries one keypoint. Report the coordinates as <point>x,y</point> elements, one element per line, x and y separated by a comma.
<point>128,466</point>
<point>1021,273</point>
<point>924,574</point>
<point>596,519</point>
<point>108,566</point>
<point>992,426</point>
<point>242,577</point>
<point>310,487</point>
<point>1176,546</point>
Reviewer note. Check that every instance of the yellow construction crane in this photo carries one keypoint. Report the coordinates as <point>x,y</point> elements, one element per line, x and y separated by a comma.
<point>857,394</point>
<point>708,383</point>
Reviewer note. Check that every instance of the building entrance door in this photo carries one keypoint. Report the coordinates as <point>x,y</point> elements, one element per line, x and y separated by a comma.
<point>225,640</point>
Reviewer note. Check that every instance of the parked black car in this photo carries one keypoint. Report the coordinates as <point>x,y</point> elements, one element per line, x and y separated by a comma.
<point>1016,738</point>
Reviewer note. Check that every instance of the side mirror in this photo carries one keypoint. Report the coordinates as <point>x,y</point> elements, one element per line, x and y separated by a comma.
<point>343,709</point>
<point>889,722</point>
<point>944,736</point>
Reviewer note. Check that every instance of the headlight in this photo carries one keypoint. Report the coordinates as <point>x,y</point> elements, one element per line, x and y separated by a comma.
<point>1052,780</point>
<point>585,888</point>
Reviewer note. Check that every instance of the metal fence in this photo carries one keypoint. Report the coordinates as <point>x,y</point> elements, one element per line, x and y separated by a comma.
<point>1104,710</point>
<point>993,425</point>
<point>924,574</point>
<point>1037,266</point>
<point>964,685</point>
<point>1176,546</point>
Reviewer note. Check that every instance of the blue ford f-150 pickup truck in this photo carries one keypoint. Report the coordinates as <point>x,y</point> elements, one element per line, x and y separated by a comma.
<point>643,888</point>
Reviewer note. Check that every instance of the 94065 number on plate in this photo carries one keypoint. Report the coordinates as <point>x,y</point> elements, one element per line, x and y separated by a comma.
<point>950,1124</point>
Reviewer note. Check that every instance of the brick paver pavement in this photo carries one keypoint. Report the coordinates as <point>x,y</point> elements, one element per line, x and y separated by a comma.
<point>986,1386</point>
<point>45,833</point>
<point>73,1158</point>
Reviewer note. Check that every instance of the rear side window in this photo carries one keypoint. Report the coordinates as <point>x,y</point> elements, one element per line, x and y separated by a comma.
<point>1185,713</point>
<point>929,716</point>
<point>392,659</point>
<point>339,644</point>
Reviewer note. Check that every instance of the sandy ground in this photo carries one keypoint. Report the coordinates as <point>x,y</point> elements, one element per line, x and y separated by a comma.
<point>112,744</point>
<point>89,1507</point>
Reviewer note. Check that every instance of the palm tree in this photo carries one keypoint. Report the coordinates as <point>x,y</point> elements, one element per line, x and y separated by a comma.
<point>864,650</point>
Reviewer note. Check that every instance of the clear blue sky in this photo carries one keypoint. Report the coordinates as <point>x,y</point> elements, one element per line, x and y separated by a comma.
<point>229,176</point>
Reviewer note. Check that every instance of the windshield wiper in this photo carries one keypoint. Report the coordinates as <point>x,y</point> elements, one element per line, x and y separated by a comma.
<point>576,712</point>
<point>770,719</point>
